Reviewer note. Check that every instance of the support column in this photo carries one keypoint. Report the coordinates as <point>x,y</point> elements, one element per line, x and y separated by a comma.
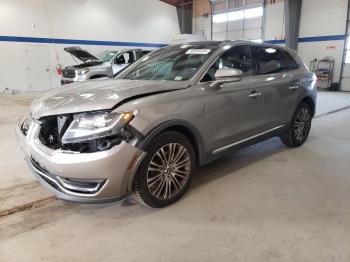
<point>184,12</point>
<point>292,12</point>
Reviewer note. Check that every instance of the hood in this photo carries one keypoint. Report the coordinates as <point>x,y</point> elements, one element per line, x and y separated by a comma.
<point>97,95</point>
<point>81,54</point>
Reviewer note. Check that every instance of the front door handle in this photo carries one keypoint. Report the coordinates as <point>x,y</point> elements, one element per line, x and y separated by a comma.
<point>293,87</point>
<point>254,94</point>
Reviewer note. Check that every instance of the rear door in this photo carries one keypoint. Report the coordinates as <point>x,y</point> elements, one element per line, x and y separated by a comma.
<point>234,110</point>
<point>278,75</point>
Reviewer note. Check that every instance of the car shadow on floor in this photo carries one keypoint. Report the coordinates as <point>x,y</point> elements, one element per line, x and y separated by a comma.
<point>235,161</point>
<point>217,169</point>
<point>227,165</point>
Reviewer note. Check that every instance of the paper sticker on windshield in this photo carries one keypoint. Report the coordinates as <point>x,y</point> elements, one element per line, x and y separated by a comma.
<point>198,51</point>
<point>178,78</point>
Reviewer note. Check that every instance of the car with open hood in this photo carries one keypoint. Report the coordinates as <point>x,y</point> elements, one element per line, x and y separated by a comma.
<point>173,110</point>
<point>106,64</point>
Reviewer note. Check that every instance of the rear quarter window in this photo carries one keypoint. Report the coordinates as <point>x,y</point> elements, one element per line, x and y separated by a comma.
<point>291,63</point>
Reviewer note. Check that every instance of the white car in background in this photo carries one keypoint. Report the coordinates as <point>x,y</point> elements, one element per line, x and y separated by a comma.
<point>105,64</point>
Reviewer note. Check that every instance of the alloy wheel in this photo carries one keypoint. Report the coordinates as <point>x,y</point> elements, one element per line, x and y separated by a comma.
<point>168,171</point>
<point>302,124</point>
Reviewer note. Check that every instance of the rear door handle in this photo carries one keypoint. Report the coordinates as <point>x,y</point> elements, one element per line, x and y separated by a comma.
<point>293,87</point>
<point>254,94</point>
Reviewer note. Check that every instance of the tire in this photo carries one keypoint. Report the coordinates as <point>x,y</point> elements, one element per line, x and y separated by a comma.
<point>160,181</point>
<point>299,127</point>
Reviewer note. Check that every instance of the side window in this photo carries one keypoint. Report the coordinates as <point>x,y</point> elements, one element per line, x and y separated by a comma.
<point>120,59</point>
<point>291,64</point>
<point>238,57</point>
<point>126,58</point>
<point>131,57</point>
<point>270,60</point>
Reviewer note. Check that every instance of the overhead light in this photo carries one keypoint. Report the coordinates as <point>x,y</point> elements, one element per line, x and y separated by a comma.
<point>270,50</point>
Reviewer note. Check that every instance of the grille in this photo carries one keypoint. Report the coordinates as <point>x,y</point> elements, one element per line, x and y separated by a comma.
<point>52,130</point>
<point>68,73</point>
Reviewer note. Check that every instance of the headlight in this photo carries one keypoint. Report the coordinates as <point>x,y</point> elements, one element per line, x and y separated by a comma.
<point>25,123</point>
<point>89,126</point>
<point>83,71</point>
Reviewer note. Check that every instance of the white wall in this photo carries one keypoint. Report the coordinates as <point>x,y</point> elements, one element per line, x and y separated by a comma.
<point>146,21</point>
<point>323,18</point>
<point>202,26</point>
<point>319,18</point>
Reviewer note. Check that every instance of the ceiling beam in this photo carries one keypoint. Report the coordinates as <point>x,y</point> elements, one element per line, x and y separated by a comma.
<point>177,3</point>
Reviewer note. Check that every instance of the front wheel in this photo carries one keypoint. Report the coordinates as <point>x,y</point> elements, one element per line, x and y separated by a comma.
<point>166,172</point>
<point>299,127</point>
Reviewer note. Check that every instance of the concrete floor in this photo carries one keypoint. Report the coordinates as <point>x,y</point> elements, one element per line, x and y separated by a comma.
<point>265,203</point>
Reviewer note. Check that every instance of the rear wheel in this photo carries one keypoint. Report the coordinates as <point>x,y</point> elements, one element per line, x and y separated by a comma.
<point>299,128</point>
<point>166,172</point>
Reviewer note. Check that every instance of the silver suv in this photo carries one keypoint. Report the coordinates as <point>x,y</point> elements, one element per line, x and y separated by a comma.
<point>173,110</point>
<point>106,64</point>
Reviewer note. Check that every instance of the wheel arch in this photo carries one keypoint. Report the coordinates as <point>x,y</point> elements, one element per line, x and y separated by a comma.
<point>183,127</point>
<point>308,100</point>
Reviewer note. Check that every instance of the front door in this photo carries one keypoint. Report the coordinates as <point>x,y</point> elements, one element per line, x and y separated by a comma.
<point>234,110</point>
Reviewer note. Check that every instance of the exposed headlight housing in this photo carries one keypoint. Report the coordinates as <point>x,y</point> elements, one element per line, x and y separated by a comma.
<point>90,126</point>
<point>25,123</point>
<point>83,71</point>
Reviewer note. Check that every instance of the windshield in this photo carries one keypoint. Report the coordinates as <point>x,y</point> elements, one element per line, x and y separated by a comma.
<point>174,63</point>
<point>106,56</point>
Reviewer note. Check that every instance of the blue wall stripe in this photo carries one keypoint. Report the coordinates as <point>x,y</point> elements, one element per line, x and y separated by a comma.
<point>275,42</point>
<point>136,44</point>
<point>311,39</point>
<point>74,41</point>
<point>322,38</point>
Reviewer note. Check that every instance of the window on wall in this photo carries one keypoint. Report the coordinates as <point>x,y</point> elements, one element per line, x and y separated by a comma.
<point>237,19</point>
<point>238,15</point>
<point>347,52</point>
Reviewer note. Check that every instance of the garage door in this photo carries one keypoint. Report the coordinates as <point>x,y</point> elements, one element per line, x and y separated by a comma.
<point>345,75</point>
<point>237,19</point>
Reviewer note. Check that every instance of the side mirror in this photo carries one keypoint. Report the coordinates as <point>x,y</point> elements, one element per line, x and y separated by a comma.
<point>226,75</point>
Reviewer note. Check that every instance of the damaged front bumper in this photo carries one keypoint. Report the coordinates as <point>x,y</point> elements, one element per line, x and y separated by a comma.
<point>97,177</point>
